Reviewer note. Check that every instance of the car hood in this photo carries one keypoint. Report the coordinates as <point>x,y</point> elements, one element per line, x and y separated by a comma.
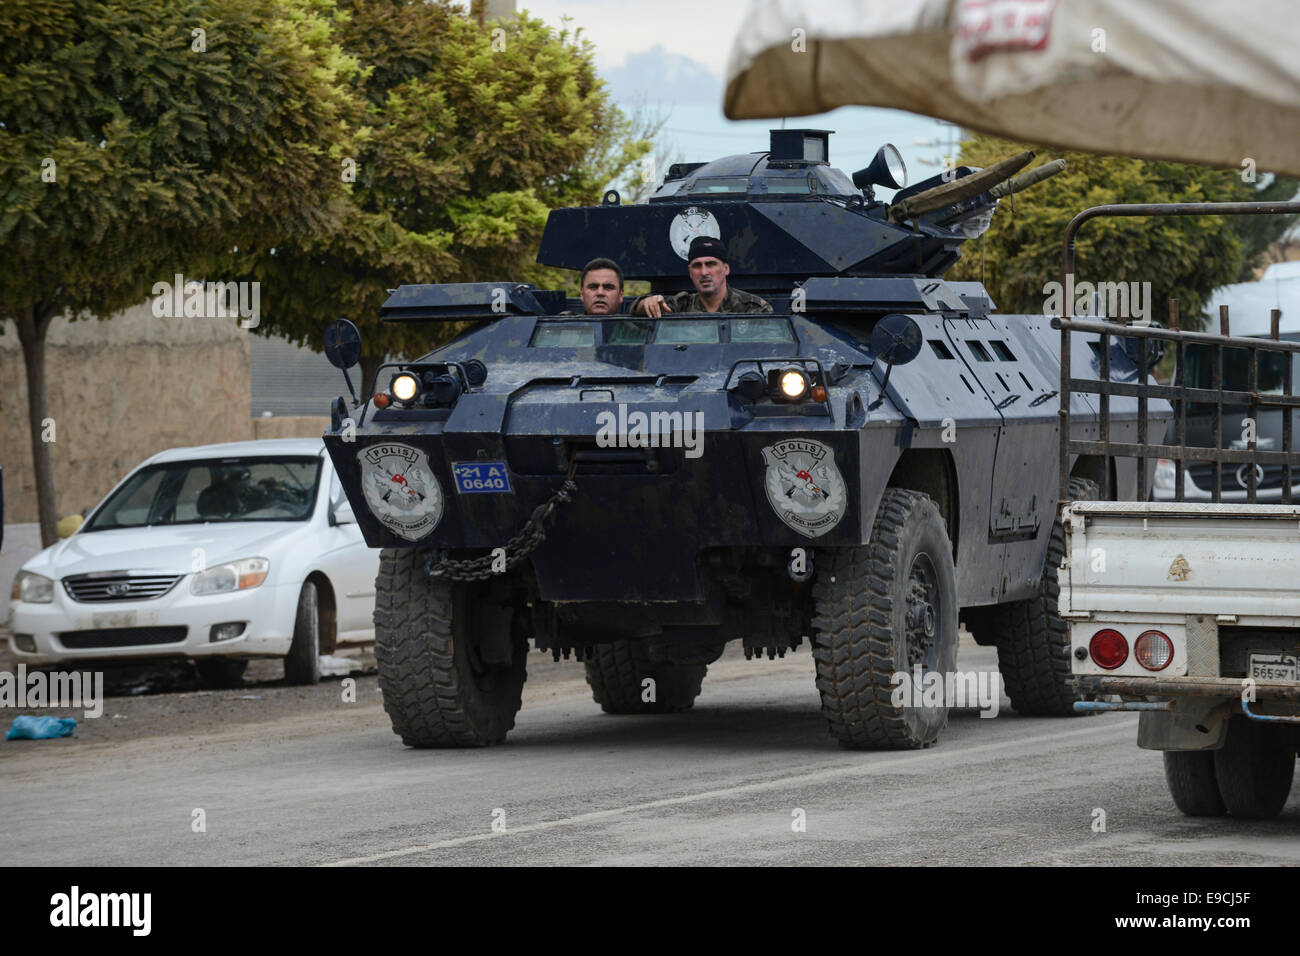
<point>169,549</point>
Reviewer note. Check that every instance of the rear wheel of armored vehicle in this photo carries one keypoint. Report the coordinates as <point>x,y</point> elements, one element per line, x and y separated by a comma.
<point>882,609</point>
<point>618,673</point>
<point>1033,642</point>
<point>429,644</point>
<point>1192,783</point>
<point>302,663</point>
<point>1254,768</point>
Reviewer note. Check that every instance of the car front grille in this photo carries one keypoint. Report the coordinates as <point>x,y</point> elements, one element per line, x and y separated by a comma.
<point>1202,472</point>
<point>122,637</point>
<point>118,586</point>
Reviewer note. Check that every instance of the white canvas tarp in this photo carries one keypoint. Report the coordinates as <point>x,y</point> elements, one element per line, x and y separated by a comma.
<point>1209,81</point>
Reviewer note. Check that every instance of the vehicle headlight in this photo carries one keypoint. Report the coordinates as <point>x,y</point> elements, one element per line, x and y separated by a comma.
<point>234,576</point>
<point>404,387</point>
<point>794,383</point>
<point>32,588</point>
<point>1166,474</point>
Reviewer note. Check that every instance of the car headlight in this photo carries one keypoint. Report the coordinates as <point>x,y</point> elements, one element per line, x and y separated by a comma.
<point>1166,474</point>
<point>32,588</point>
<point>234,576</point>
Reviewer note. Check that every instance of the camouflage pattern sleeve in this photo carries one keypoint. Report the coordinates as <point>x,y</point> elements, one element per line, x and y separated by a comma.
<point>741,301</point>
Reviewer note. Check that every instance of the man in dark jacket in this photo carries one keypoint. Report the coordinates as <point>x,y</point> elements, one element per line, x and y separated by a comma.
<point>707,262</point>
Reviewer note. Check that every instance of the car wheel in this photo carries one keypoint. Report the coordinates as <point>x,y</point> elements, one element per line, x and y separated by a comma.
<point>1190,775</point>
<point>302,663</point>
<point>1254,768</point>
<point>219,672</point>
<point>882,609</point>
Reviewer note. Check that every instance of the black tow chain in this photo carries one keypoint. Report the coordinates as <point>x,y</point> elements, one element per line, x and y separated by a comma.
<point>517,548</point>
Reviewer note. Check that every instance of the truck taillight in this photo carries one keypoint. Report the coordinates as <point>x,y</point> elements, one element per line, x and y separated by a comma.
<point>1153,650</point>
<point>1108,649</point>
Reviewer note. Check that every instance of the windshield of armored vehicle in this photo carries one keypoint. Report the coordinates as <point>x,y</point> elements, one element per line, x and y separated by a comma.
<point>704,330</point>
<point>573,336</point>
<point>215,490</point>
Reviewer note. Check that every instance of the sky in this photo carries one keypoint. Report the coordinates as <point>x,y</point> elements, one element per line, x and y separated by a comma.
<point>668,58</point>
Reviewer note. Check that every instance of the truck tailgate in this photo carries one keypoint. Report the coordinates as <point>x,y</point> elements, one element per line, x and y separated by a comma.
<point>1179,558</point>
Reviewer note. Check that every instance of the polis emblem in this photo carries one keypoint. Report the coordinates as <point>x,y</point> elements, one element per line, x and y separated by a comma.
<point>804,486</point>
<point>400,489</point>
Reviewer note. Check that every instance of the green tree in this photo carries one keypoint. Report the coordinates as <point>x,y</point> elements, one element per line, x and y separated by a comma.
<point>469,134</point>
<point>144,138</point>
<point>1182,257</point>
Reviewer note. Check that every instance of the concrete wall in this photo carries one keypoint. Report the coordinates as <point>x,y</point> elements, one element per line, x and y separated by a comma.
<point>22,542</point>
<point>118,392</point>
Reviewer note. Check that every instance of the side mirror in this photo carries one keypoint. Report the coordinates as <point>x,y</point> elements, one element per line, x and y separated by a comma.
<point>343,349</point>
<point>342,344</point>
<point>342,514</point>
<point>68,525</point>
<point>1155,351</point>
<point>896,339</point>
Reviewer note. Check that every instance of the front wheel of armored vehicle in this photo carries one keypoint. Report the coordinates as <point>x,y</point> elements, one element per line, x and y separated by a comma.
<point>451,662</point>
<point>1192,784</point>
<point>624,680</point>
<point>887,608</point>
<point>1254,768</point>
<point>1033,642</point>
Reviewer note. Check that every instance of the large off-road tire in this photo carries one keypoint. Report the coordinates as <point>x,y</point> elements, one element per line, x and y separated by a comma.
<point>1192,783</point>
<point>1254,768</point>
<point>219,672</point>
<point>881,609</point>
<point>617,672</point>
<point>1033,642</point>
<point>302,663</point>
<point>437,690</point>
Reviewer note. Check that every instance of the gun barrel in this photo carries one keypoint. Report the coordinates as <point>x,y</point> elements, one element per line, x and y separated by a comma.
<point>946,194</point>
<point>1025,180</point>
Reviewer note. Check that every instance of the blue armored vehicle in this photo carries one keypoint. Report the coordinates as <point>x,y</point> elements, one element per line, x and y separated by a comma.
<point>856,468</point>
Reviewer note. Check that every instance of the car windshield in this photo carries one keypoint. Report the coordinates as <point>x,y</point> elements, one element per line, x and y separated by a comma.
<point>1236,369</point>
<point>212,490</point>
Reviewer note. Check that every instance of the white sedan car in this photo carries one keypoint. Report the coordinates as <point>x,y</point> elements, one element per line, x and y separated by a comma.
<point>217,553</point>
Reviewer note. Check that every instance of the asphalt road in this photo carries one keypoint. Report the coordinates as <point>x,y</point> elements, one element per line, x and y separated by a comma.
<point>297,776</point>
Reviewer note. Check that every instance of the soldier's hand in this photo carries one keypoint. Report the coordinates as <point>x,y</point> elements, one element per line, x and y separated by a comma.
<point>653,306</point>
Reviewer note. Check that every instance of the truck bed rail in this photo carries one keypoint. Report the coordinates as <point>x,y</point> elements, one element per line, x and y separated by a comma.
<point>1139,341</point>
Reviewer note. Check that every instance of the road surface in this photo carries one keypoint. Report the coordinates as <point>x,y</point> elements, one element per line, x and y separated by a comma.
<point>290,775</point>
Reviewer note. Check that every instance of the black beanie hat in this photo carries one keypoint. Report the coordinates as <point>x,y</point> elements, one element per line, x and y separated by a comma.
<point>706,246</point>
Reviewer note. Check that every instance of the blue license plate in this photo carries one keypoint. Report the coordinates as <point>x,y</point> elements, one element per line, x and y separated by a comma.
<point>480,477</point>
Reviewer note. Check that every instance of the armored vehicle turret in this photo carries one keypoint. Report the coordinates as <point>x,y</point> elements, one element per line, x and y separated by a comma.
<point>857,468</point>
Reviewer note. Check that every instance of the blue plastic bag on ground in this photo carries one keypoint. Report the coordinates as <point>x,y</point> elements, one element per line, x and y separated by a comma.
<point>40,728</point>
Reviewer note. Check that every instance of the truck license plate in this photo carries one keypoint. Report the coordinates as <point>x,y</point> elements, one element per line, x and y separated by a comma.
<point>1272,667</point>
<point>480,477</point>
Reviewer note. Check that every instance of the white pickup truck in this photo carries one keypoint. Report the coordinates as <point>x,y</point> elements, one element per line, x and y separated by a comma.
<point>1190,613</point>
<point>1184,609</point>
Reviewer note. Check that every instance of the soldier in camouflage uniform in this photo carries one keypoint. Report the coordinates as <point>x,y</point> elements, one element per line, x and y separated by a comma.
<point>708,270</point>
